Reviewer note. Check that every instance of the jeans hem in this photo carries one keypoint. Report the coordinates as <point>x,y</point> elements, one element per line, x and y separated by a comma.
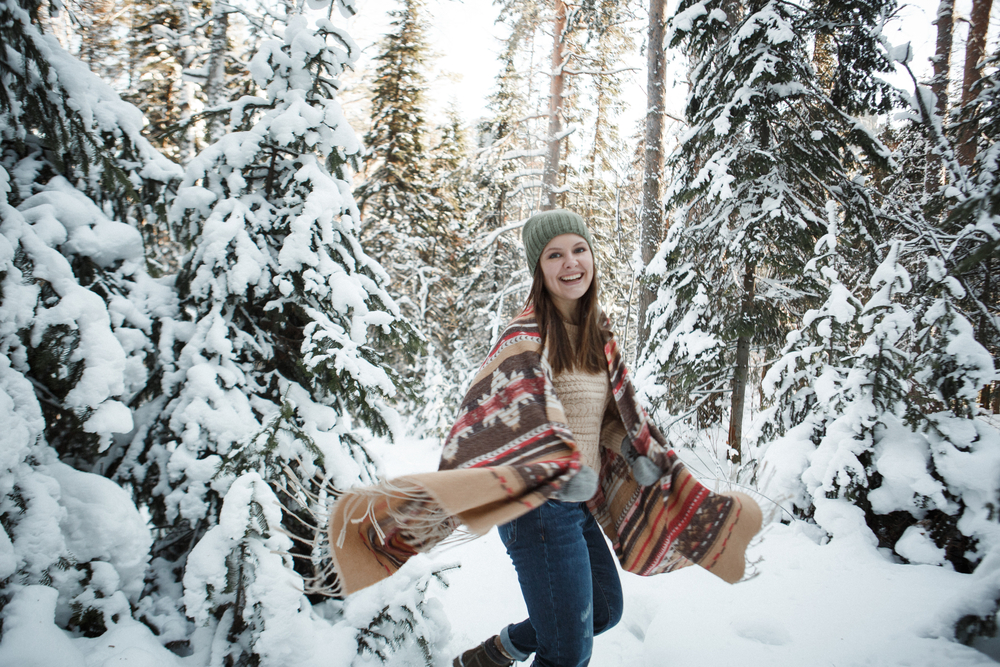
<point>508,646</point>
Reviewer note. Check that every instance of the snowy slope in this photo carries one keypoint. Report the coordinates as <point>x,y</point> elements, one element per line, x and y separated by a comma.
<point>841,604</point>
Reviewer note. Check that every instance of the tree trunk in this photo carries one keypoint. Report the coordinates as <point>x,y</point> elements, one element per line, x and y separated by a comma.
<point>652,216</point>
<point>215,83</point>
<point>825,60</point>
<point>550,175</point>
<point>186,147</point>
<point>939,86</point>
<point>986,398</point>
<point>598,127</point>
<point>742,371</point>
<point>975,47</point>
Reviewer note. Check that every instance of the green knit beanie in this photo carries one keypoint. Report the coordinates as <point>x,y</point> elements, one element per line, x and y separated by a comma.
<point>545,226</point>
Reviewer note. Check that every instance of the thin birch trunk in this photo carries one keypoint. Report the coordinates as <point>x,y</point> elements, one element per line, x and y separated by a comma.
<point>986,398</point>
<point>742,372</point>
<point>215,83</point>
<point>551,173</point>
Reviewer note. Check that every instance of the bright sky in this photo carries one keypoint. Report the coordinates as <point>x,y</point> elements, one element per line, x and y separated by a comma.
<point>466,41</point>
<point>463,38</point>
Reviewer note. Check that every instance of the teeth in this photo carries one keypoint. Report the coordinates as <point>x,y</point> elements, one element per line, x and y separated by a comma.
<point>570,278</point>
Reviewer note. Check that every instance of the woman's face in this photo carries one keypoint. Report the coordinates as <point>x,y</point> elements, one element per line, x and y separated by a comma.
<point>568,269</point>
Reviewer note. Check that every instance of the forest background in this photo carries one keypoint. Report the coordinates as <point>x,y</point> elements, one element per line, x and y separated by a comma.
<point>235,251</point>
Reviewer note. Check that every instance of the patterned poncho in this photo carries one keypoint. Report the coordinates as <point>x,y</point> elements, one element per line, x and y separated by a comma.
<point>510,450</point>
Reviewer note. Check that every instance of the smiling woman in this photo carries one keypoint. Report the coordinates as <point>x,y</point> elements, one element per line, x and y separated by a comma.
<point>552,447</point>
<point>568,577</point>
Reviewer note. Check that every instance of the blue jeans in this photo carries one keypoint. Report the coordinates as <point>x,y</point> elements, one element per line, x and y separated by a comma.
<point>569,581</point>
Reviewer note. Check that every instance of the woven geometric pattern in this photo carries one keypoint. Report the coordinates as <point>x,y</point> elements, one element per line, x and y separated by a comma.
<point>510,450</point>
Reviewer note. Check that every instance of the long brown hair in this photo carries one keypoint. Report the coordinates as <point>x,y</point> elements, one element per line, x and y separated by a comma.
<point>589,348</point>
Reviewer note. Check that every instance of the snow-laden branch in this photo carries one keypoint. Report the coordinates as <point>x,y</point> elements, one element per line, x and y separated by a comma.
<point>521,173</point>
<point>522,187</point>
<point>513,155</point>
<point>492,236</point>
<point>562,135</point>
<point>595,72</point>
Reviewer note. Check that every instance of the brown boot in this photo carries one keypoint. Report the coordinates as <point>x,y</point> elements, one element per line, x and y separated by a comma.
<point>488,654</point>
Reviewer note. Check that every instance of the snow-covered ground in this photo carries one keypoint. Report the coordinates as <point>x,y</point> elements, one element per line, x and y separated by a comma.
<point>810,604</point>
<point>840,604</point>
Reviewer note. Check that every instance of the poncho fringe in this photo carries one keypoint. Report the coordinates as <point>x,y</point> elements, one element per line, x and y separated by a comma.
<point>510,450</point>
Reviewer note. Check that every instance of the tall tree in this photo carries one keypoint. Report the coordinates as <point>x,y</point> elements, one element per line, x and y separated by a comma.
<point>975,246</point>
<point>767,153</point>
<point>939,85</point>
<point>975,49</point>
<point>557,84</point>
<point>651,230</point>
<point>272,377</point>
<point>896,379</point>
<point>77,339</point>
<point>406,226</point>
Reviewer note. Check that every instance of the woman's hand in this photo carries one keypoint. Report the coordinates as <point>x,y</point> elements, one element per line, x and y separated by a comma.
<point>581,487</point>
<point>645,472</point>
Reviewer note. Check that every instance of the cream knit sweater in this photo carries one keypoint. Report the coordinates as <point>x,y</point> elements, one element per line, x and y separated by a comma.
<point>586,399</point>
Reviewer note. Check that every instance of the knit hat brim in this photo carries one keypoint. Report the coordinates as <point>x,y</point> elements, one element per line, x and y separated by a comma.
<point>545,226</point>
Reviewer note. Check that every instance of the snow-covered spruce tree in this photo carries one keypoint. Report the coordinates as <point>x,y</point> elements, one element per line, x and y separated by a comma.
<point>806,384</point>
<point>407,227</point>
<point>449,152</point>
<point>81,169</point>
<point>858,357</point>
<point>875,422</point>
<point>445,364</point>
<point>958,522</point>
<point>955,356</point>
<point>271,372</point>
<point>957,206</point>
<point>751,180</point>
<point>77,312</point>
<point>60,527</point>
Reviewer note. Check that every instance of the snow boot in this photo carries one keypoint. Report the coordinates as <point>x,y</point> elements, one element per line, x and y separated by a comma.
<point>488,654</point>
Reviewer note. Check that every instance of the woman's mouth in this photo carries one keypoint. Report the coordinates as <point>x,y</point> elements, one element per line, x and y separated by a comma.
<point>572,278</point>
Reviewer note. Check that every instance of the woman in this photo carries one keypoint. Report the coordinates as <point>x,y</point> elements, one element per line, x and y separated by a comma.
<point>552,446</point>
<point>568,576</point>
